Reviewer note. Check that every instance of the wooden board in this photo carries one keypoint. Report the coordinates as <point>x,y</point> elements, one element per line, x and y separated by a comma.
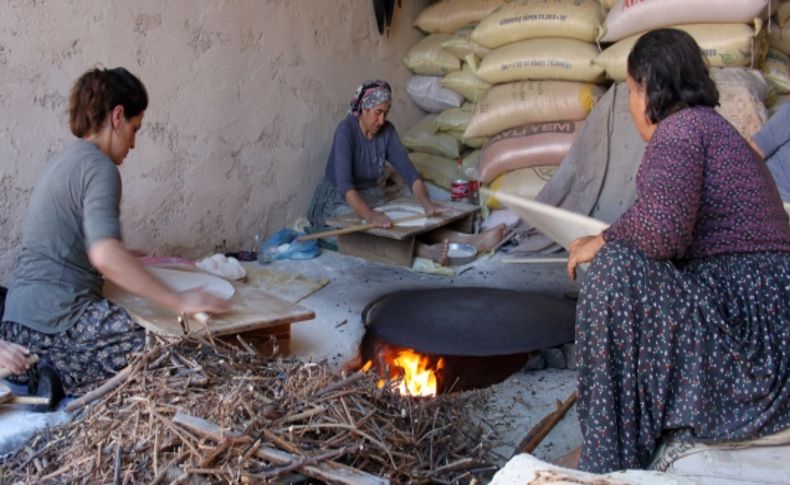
<point>377,248</point>
<point>252,309</point>
<point>455,211</point>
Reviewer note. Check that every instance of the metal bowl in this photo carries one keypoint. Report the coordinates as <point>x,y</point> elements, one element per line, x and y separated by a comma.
<point>458,253</point>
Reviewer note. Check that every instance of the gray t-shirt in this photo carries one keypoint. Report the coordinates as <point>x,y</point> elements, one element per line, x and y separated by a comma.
<point>774,140</point>
<point>75,203</point>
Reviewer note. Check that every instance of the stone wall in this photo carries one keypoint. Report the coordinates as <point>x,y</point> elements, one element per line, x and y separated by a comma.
<point>244,99</point>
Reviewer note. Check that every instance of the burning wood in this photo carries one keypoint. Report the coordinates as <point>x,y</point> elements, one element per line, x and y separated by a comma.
<point>224,415</point>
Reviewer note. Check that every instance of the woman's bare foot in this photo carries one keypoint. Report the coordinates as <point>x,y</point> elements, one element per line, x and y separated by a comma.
<point>435,252</point>
<point>487,240</point>
<point>570,460</point>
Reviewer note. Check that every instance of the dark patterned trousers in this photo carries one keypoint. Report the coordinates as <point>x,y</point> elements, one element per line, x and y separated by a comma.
<point>94,349</point>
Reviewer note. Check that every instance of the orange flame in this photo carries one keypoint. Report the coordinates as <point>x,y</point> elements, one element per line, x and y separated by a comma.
<point>414,374</point>
<point>419,379</point>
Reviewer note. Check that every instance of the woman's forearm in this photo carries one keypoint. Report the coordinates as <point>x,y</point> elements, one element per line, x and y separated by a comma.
<point>420,191</point>
<point>358,204</point>
<point>118,265</point>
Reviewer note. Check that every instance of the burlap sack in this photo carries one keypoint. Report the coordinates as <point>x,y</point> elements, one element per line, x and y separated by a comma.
<point>723,45</point>
<point>628,17</point>
<point>537,59</point>
<point>532,19</point>
<point>537,144</point>
<point>514,104</point>
<point>447,16</point>
<point>429,58</point>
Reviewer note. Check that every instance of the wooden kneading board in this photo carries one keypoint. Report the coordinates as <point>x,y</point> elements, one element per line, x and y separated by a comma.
<point>453,211</point>
<point>251,309</point>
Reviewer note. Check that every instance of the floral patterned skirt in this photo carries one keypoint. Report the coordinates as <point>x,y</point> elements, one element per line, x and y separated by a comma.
<point>92,350</point>
<point>697,352</point>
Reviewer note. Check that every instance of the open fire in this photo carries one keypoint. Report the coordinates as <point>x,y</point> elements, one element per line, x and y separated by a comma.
<point>412,373</point>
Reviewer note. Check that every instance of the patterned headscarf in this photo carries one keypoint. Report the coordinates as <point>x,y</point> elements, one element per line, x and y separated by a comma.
<point>368,95</point>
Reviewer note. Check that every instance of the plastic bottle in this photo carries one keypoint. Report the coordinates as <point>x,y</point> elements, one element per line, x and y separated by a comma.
<point>459,187</point>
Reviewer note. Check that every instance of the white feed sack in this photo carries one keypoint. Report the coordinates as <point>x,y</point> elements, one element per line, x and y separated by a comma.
<point>532,19</point>
<point>466,83</point>
<point>454,119</point>
<point>447,16</point>
<point>722,45</point>
<point>513,104</point>
<point>423,137</point>
<point>428,93</point>
<point>536,59</point>
<point>442,170</point>
<point>629,17</point>
<point>462,45</point>
<point>429,58</point>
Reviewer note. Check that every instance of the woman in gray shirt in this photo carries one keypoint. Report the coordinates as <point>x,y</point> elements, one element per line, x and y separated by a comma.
<point>72,241</point>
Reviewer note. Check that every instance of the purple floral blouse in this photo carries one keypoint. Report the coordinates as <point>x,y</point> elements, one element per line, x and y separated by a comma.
<point>701,191</point>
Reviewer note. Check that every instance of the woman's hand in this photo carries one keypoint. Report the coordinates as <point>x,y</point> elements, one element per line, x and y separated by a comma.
<point>198,300</point>
<point>379,219</point>
<point>13,357</point>
<point>583,250</point>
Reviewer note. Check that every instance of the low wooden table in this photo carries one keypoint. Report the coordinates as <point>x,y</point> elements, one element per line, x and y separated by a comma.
<point>395,245</point>
<point>254,314</point>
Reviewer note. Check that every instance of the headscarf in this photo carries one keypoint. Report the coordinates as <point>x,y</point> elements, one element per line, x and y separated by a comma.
<point>370,94</point>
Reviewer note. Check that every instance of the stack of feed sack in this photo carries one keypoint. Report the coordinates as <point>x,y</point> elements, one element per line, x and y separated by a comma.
<point>729,32</point>
<point>540,64</point>
<point>431,61</point>
<point>543,85</point>
<point>455,20</point>
<point>443,80</point>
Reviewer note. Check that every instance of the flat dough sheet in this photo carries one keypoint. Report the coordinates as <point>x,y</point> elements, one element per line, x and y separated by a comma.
<point>399,211</point>
<point>562,226</point>
<point>188,280</point>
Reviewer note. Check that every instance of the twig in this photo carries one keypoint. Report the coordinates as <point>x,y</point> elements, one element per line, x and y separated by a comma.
<point>330,455</point>
<point>116,477</point>
<point>542,429</point>
<point>340,384</point>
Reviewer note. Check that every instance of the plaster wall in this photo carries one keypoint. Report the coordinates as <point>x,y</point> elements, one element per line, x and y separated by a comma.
<point>244,99</point>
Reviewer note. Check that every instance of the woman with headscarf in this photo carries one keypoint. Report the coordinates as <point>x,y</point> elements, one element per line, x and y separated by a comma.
<point>364,143</point>
<point>683,320</point>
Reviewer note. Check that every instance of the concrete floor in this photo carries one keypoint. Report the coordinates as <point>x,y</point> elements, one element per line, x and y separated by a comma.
<point>514,406</point>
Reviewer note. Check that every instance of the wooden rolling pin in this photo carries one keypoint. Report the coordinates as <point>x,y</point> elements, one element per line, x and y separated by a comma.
<point>357,228</point>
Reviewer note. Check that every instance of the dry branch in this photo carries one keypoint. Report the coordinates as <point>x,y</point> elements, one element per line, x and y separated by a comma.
<point>189,410</point>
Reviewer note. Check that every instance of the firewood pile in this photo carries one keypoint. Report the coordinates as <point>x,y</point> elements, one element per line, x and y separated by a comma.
<point>199,412</point>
